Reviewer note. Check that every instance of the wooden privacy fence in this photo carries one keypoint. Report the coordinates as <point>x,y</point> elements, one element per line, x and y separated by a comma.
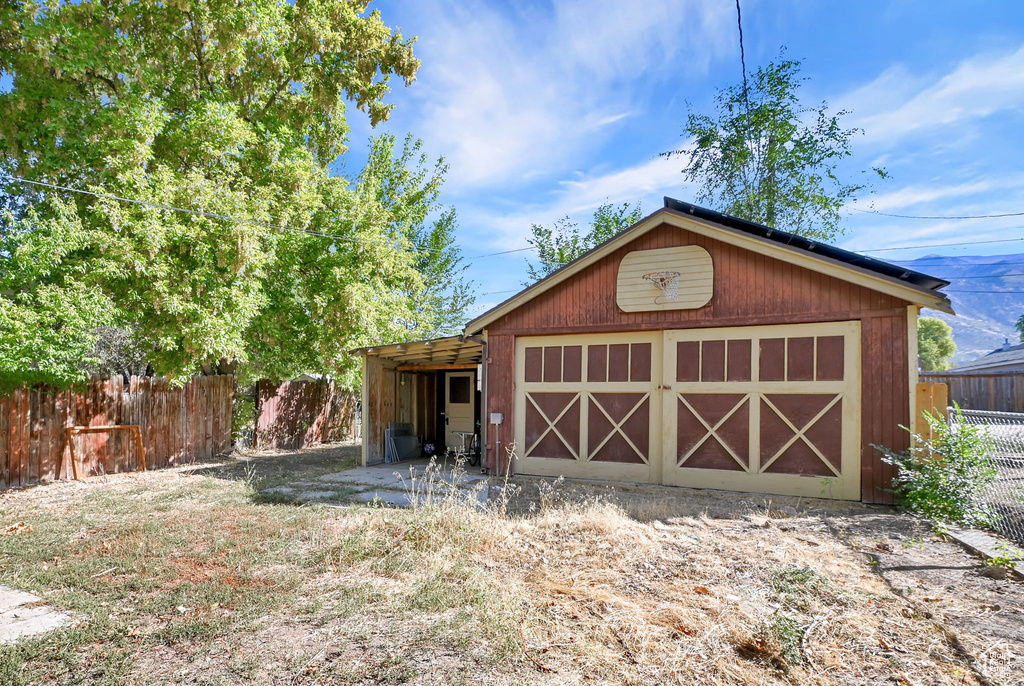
<point>294,414</point>
<point>177,424</point>
<point>995,392</point>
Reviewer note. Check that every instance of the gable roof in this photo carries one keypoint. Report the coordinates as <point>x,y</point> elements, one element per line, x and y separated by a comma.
<point>885,277</point>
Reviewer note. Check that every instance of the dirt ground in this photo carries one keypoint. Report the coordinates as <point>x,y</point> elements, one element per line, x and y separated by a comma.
<point>982,618</point>
<point>558,582</point>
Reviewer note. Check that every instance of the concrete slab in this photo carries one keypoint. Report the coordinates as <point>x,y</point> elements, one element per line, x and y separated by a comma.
<point>11,598</point>
<point>399,475</point>
<point>18,620</point>
<point>984,544</point>
<point>317,495</point>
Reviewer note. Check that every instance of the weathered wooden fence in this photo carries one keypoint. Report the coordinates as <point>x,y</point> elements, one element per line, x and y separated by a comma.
<point>294,414</point>
<point>994,392</point>
<point>178,425</point>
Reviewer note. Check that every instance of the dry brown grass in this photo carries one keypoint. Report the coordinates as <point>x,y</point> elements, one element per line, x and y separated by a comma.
<point>575,590</point>
<point>711,601</point>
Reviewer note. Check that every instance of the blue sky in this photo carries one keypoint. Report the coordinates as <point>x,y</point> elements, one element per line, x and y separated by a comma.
<point>548,109</point>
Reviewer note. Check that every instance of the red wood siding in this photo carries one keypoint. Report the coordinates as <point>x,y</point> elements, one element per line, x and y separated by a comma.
<point>750,289</point>
<point>500,365</point>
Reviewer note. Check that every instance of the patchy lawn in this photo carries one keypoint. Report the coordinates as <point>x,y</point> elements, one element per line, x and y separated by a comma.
<point>190,576</point>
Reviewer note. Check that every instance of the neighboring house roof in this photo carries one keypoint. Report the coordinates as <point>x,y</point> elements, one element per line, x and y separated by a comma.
<point>906,284</point>
<point>1007,356</point>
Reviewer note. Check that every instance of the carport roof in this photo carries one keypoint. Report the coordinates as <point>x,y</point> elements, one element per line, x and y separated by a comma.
<point>453,350</point>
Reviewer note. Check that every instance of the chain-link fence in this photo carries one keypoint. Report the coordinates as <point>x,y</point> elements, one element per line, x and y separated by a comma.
<point>1006,496</point>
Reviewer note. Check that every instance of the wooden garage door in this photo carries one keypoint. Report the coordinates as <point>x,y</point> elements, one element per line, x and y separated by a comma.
<point>587,406</point>
<point>764,409</point>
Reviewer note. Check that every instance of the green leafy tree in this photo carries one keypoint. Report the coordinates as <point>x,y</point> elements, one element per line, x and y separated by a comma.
<point>935,344</point>
<point>325,297</point>
<point>235,112</point>
<point>1020,327</point>
<point>563,242</point>
<point>765,158</point>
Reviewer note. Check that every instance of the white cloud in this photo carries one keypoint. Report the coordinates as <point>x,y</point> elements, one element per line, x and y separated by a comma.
<point>928,193</point>
<point>898,104</point>
<point>510,99</point>
<point>646,182</point>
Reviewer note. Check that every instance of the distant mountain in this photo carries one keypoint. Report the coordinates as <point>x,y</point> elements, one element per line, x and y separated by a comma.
<point>987,299</point>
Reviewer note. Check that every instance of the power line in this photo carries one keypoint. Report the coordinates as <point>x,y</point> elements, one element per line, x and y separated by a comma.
<point>254,222</point>
<point>945,245</point>
<point>743,57</point>
<point>989,292</point>
<point>915,263</point>
<point>242,220</point>
<point>214,215</point>
<point>973,276</point>
<point>505,252</point>
<point>966,216</point>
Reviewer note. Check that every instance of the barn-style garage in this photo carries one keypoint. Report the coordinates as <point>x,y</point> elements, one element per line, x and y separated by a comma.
<point>696,349</point>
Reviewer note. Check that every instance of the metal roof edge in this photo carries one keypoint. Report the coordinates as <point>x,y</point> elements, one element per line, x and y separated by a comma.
<point>799,245</point>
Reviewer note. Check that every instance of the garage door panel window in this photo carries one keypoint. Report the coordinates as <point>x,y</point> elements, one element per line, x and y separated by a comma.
<point>713,361</point>
<point>785,417</point>
<point>713,431</point>
<point>553,425</point>
<point>552,364</point>
<point>619,427</point>
<point>803,432</point>
<point>830,358</point>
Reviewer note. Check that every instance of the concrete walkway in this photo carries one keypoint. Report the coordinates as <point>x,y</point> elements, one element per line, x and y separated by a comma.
<point>21,615</point>
<point>401,484</point>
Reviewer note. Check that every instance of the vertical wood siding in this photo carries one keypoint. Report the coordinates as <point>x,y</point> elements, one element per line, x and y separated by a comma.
<point>750,289</point>
<point>381,405</point>
<point>178,425</point>
<point>294,414</point>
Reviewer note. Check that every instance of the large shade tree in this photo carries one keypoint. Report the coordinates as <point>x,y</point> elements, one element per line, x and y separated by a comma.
<point>765,157</point>
<point>233,112</point>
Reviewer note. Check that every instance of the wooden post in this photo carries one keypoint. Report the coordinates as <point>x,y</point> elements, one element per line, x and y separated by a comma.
<point>142,450</point>
<point>934,399</point>
<point>74,457</point>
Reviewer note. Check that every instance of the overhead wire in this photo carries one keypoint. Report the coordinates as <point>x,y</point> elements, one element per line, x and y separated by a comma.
<point>938,217</point>
<point>469,258</point>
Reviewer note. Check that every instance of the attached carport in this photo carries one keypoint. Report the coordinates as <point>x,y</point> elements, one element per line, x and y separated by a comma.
<point>432,385</point>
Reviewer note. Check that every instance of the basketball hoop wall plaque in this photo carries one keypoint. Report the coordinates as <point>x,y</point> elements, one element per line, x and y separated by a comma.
<point>680,278</point>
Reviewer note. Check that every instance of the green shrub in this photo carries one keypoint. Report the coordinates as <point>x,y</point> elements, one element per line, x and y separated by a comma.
<point>946,478</point>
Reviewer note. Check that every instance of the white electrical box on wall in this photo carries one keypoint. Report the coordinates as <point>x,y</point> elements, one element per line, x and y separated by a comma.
<point>497,418</point>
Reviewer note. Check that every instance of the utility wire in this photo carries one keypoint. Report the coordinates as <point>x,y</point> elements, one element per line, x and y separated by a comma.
<point>242,220</point>
<point>991,276</point>
<point>970,264</point>
<point>214,215</point>
<point>743,57</point>
<point>912,216</point>
<point>944,245</point>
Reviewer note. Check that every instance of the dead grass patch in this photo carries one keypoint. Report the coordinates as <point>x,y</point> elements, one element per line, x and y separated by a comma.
<point>210,586</point>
